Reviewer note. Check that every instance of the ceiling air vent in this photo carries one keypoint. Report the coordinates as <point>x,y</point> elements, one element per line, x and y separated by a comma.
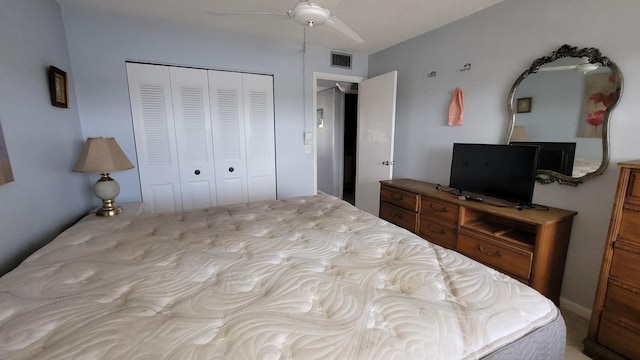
<point>341,60</point>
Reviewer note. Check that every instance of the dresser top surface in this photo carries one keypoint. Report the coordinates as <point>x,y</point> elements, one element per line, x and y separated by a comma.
<point>531,215</point>
<point>634,164</point>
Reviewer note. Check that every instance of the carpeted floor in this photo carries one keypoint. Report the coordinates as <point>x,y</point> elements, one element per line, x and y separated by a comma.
<point>576,332</point>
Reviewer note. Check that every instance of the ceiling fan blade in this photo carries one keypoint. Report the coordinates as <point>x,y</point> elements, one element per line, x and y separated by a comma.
<point>248,13</point>
<point>588,67</point>
<point>558,68</point>
<point>584,66</point>
<point>332,4</point>
<point>337,24</point>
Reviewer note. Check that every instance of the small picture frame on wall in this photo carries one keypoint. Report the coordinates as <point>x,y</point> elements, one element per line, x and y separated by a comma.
<point>523,105</point>
<point>58,87</point>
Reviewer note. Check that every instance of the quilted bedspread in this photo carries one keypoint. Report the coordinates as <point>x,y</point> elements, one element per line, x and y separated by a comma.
<point>303,278</point>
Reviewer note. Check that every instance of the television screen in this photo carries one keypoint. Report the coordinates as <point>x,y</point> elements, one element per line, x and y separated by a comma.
<point>502,171</point>
<point>554,156</point>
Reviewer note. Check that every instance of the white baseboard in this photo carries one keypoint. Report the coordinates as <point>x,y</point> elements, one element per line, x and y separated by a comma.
<point>575,308</point>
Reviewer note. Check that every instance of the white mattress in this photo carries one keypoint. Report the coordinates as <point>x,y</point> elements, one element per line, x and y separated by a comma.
<point>305,278</point>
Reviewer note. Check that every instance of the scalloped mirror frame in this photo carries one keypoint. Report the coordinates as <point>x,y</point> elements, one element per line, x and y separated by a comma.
<point>594,57</point>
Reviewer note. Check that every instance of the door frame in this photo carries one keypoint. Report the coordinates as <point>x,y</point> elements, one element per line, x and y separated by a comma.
<point>324,76</point>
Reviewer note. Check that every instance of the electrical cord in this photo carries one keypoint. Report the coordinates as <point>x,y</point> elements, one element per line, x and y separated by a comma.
<point>458,193</point>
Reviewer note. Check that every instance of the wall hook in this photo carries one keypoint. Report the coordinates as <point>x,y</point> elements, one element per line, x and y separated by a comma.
<point>466,67</point>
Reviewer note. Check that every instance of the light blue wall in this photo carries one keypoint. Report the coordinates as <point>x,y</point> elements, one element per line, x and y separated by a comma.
<point>501,42</point>
<point>100,43</point>
<point>43,142</point>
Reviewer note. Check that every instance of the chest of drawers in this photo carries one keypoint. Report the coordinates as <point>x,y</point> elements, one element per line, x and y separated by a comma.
<point>614,330</point>
<point>529,245</point>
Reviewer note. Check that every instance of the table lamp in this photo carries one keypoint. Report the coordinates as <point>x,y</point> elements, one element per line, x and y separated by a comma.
<point>519,133</point>
<point>103,156</point>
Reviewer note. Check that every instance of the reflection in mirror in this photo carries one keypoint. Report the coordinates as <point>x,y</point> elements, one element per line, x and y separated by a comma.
<point>562,104</point>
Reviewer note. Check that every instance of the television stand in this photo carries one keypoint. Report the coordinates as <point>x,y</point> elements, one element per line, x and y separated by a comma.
<point>527,244</point>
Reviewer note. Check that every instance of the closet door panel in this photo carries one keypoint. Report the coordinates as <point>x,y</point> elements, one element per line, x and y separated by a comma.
<point>190,94</point>
<point>228,124</point>
<point>153,123</point>
<point>162,197</point>
<point>260,147</point>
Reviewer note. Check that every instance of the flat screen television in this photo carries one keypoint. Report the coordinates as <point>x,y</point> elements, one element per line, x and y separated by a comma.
<point>501,171</point>
<point>554,156</point>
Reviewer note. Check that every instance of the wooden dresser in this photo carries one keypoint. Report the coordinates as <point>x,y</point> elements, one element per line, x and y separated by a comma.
<point>529,245</point>
<point>614,331</point>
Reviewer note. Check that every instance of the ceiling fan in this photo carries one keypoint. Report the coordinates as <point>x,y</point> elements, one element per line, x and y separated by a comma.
<point>309,14</point>
<point>583,66</point>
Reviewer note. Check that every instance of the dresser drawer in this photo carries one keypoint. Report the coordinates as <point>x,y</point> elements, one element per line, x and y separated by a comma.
<point>508,259</point>
<point>437,233</point>
<point>399,216</point>
<point>623,302</point>
<point>619,335</point>
<point>625,265</point>
<point>401,198</point>
<point>633,190</point>
<point>630,223</point>
<point>439,210</point>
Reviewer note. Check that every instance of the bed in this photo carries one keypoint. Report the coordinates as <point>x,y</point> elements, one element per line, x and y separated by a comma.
<point>303,278</point>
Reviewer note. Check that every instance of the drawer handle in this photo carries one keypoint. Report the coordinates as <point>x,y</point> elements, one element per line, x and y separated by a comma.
<point>441,231</point>
<point>396,197</point>
<point>496,254</point>
<point>440,210</point>
<point>396,216</point>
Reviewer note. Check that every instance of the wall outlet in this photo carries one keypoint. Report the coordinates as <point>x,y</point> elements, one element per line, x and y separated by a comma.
<point>307,138</point>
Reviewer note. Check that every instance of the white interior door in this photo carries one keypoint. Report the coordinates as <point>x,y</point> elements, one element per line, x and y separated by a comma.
<point>244,139</point>
<point>376,126</point>
<point>153,123</point>
<point>203,138</point>
<point>190,95</point>
<point>260,137</point>
<point>227,104</point>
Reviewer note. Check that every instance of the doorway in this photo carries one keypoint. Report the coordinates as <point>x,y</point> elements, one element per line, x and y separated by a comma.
<point>376,110</point>
<point>336,104</point>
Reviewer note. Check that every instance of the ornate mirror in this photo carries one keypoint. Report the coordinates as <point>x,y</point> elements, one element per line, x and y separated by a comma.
<point>563,104</point>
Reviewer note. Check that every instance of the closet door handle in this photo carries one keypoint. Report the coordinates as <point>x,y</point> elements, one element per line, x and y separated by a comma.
<point>433,230</point>
<point>231,169</point>
<point>498,253</point>
<point>197,172</point>
<point>436,209</point>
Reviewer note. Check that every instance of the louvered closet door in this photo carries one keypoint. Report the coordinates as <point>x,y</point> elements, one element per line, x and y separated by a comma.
<point>153,122</point>
<point>228,136</point>
<point>260,144</point>
<point>190,90</point>
<point>244,145</point>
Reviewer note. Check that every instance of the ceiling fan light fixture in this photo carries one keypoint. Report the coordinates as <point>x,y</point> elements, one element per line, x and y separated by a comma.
<point>309,14</point>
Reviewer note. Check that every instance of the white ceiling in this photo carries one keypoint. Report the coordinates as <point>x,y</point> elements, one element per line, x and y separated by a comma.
<point>382,23</point>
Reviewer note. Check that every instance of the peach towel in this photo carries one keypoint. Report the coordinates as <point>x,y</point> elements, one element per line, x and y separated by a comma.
<point>456,108</point>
